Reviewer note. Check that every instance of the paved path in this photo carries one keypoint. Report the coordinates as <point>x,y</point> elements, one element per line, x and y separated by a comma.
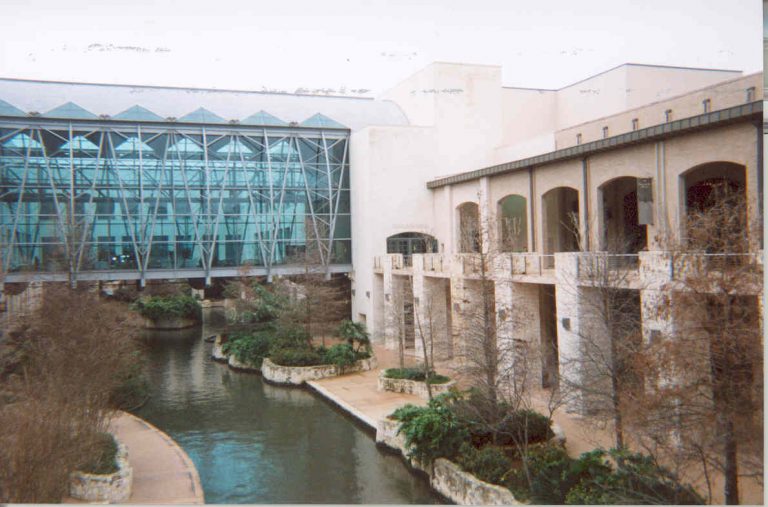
<point>357,393</point>
<point>162,471</point>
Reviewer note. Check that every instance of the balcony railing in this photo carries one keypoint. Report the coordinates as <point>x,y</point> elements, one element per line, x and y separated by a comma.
<point>692,264</point>
<point>531,264</point>
<point>598,265</point>
<point>432,262</point>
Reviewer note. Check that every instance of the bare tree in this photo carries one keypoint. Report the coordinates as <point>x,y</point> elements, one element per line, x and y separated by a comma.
<point>58,371</point>
<point>705,396</point>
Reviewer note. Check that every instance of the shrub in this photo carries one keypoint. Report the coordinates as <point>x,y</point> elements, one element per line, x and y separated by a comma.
<point>415,374</point>
<point>548,479</point>
<point>514,428</point>
<point>341,355</point>
<point>179,305</point>
<point>489,464</point>
<point>637,479</point>
<point>290,336</point>
<point>433,431</point>
<point>133,388</point>
<point>250,348</point>
<point>103,457</point>
<point>304,356</point>
<point>355,334</point>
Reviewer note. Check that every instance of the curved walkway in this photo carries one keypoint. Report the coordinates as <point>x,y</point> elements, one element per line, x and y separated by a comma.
<point>162,471</point>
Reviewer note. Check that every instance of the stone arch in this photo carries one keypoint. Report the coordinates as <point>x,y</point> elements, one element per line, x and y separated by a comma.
<point>513,223</point>
<point>469,227</point>
<point>620,230</point>
<point>560,219</point>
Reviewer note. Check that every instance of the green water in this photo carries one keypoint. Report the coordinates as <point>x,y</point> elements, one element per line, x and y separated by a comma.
<point>257,443</point>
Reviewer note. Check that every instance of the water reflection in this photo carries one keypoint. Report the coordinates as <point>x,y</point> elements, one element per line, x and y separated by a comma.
<point>256,443</point>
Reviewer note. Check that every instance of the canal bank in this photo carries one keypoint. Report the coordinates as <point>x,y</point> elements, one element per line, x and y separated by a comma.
<point>257,443</point>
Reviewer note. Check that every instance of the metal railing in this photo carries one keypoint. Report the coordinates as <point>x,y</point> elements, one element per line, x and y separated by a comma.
<point>597,265</point>
<point>432,262</point>
<point>688,264</point>
<point>531,263</point>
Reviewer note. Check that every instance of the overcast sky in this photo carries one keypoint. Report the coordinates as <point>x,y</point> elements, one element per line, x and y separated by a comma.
<point>349,46</point>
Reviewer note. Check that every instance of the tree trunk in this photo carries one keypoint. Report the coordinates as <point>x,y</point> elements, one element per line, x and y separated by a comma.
<point>731,469</point>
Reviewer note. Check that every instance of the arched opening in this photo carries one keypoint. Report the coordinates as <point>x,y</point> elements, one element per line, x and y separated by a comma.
<point>513,224</point>
<point>715,207</point>
<point>621,231</point>
<point>469,227</point>
<point>560,208</point>
<point>409,243</point>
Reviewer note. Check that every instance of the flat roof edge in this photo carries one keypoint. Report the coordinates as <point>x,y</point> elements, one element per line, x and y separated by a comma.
<point>721,117</point>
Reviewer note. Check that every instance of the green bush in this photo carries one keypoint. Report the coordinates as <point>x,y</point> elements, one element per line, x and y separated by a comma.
<point>415,374</point>
<point>249,348</point>
<point>157,307</point>
<point>513,428</point>
<point>433,431</point>
<point>290,336</point>
<point>103,460</point>
<point>637,479</point>
<point>549,469</point>
<point>342,355</point>
<point>303,356</point>
<point>355,334</point>
<point>132,389</point>
<point>489,464</point>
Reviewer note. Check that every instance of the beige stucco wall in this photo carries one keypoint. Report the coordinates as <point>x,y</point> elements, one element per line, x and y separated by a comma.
<point>723,95</point>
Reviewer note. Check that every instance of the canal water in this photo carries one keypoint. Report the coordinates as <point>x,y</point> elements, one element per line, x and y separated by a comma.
<point>256,443</point>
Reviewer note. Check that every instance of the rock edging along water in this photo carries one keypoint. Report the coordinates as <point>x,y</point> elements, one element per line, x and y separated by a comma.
<point>415,387</point>
<point>110,488</point>
<point>446,477</point>
<point>169,323</point>
<point>298,375</point>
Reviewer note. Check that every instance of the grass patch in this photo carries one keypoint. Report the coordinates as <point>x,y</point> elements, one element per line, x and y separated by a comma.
<point>103,458</point>
<point>416,374</point>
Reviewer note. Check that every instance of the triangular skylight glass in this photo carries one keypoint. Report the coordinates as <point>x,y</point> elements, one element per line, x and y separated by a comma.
<point>137,113</point>
<point>282,149</point>
<point>22,141</point>
<point>7,109</point>
<point>322,121</point>
<point>264,118</point>
<point>202,115</point>
<point>186,146</point>
<point>79,143</point>
<point>235,147</point>
<point>131,145</point>
<point>70,110</point>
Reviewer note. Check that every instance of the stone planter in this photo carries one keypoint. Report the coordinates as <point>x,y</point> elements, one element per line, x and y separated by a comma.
<point>109,488</point>
<point>463,488</point>
<point>414,387</point>
<point>170,323</point>
<point>297,375</point>
<point>447,478</point>
<point>216,351</point>
<point>235,364</point>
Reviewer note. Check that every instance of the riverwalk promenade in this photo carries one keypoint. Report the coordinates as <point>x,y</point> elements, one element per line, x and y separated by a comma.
<point>162,471</point>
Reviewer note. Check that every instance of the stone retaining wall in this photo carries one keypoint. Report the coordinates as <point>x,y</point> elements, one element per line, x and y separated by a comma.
<point>216,352</point>
<point>447,478</point>
<point>297,375</point>
<point>110,488</point>
<point>170,323</point>
<point>236,364</point>
<point>414,387</point>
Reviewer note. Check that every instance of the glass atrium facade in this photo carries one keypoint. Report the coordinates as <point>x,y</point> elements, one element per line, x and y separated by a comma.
<point>81,197</point>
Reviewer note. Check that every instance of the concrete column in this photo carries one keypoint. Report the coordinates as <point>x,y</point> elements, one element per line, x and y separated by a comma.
<point>567,297</point>
<point>419,306</point>
<point>486,218</point>
<point>519,329</point>
<point>390,321</point>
